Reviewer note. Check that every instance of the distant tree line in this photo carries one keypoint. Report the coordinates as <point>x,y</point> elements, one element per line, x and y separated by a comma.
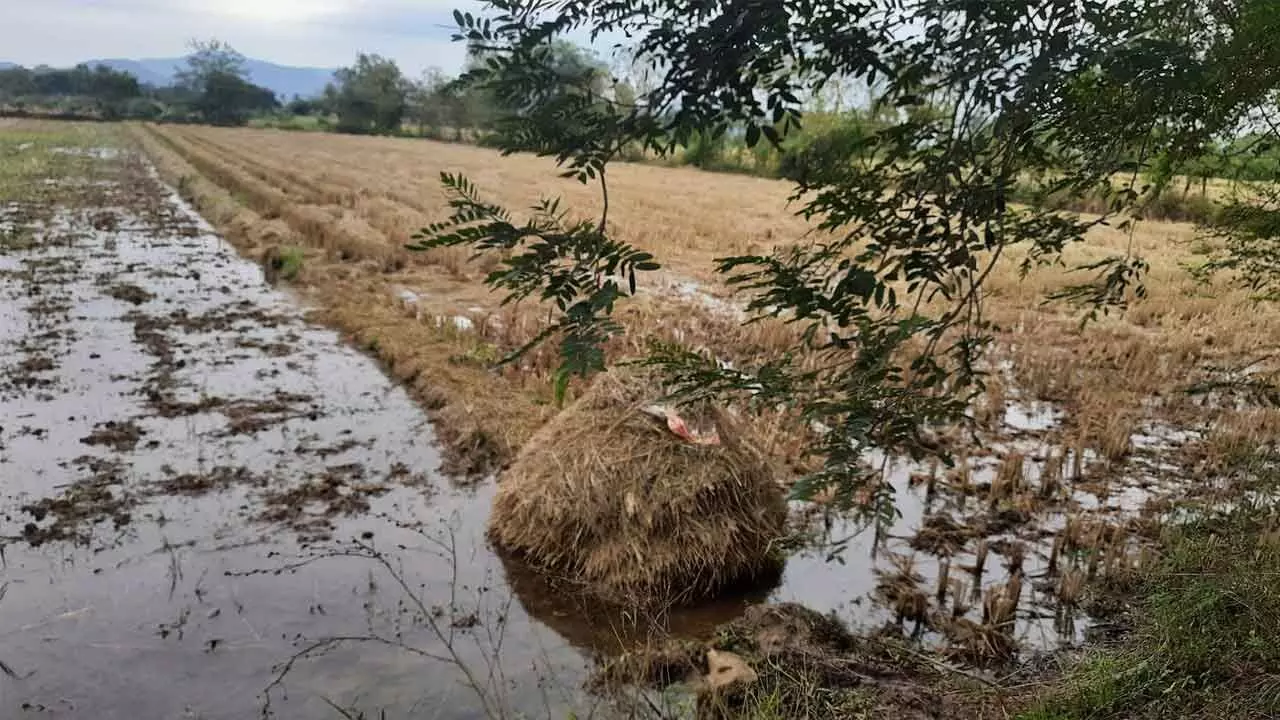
<point>373,96</point>
<point>212,87</point>
<point>83,90</point>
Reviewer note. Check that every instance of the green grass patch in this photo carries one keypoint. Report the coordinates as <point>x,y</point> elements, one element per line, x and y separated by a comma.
<point>299,123</point>
<point>35,153</point>
<point>17,238</point>
<point>291,259</point>
<point>1206,640</point>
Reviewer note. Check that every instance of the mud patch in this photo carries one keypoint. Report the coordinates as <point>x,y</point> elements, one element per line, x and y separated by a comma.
<point>105,220</point>
<point>130,293</point>
<point>87,502</point>
<point>787,661</point>
<point>217,479</point>
<point>36,364</point>
<point>18,238</point>
<point>270,349</point>
<point>251,416</point>
<point>243,313</point>
<point>148,332</point>
<point>117,435</point>
<point>310,508</point>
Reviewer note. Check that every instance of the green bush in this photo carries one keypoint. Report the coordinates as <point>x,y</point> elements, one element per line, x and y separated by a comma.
<point>489,140</point>
<point>1171,206</point>
<point>143,109</point>
<point>828,144</point>
<point>632,152</point>
<point>704,151</point>
<point>1181,208</point>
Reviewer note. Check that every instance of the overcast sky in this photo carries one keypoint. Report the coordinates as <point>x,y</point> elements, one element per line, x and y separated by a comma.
<point>324,33</point>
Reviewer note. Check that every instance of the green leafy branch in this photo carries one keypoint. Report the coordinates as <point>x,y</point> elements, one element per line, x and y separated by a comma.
<point>573,266</point>
<point>973,98</point>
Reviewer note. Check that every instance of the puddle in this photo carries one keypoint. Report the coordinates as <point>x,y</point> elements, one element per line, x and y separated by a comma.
<point>926,561</point>
<point>861,585</point>
<point>693,293</point>
<point>97,153</point>
<point>1032,416</point>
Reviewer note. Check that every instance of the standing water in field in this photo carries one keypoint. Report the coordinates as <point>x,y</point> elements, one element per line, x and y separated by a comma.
<point>197,487</point>
<point>211,508</point>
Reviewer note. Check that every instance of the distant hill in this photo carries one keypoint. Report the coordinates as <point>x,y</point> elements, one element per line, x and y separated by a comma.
<point>283,80</point>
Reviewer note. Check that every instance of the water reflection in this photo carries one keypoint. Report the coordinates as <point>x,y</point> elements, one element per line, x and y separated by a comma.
<point>603,630</point>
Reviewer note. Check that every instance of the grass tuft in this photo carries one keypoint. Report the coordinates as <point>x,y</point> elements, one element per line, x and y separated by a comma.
<point>291,262</point>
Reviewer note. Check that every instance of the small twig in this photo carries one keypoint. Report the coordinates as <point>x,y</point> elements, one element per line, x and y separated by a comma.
<point>175,567</point>
<point>434,626</point>
<point>338,708</point>
<point>294,565</point>
<point>939,665</point>
<point>604,193</point>
<point>4,668</point>
<point>325,644</point>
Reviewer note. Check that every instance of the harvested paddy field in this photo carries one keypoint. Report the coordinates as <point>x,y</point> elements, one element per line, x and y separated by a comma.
<point>220,466</point>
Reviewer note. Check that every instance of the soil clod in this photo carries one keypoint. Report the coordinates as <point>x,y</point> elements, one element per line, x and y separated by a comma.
<point>121,436</point>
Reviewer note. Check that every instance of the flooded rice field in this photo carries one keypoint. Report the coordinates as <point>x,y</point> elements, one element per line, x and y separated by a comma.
<point>197,485</point>
<point>212,508</point>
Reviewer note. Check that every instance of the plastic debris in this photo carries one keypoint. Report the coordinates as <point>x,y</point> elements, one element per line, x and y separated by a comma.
<point>680,428</point>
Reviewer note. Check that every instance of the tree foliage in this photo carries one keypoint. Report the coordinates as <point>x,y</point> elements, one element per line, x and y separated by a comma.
<point>431,104</point>
<point>1248,224</point>
<point>972,98</point>
<point>572,265</point>
<point>207,58</point>
<point>211,86</point>
<point>370,96</point>
<point>214,83</point>
<point>109,91</point>
<point>228,99</point>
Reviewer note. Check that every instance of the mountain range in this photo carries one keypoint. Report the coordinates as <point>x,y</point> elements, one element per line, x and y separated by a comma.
<point>284,80</point>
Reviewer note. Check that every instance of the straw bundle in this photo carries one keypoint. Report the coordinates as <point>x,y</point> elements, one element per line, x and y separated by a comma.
<point>608,496</point>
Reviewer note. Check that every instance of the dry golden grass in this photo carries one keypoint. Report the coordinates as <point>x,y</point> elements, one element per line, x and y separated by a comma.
<point>679,211</point>
<point>241,224</point>
<point>355,200</point>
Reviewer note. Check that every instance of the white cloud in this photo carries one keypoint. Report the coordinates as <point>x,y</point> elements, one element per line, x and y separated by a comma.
<point>281,11</point>
<point>322,33</point>
<point>297,32</point>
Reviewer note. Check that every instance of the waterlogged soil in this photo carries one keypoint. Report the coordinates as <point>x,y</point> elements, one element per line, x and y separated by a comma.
<point>212,508</point>
<point>196,485</point>
<point>1057,532</point>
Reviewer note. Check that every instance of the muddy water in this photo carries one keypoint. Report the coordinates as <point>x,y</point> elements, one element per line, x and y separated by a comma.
<point>196,484</point>
<point>841,568</point>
